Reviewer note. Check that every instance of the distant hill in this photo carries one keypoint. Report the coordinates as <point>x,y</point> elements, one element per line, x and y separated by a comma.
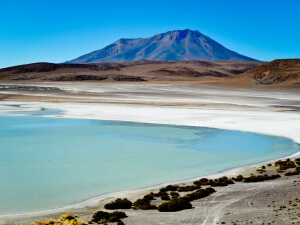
<point>178,45</point>
<point>277,71</point>
<point>151,71</point>
<point>280,72</point>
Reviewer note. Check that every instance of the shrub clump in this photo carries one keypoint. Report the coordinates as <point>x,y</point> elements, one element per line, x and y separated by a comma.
<point>203,181</point>
<point>188,188</point>
<point>162,192</point>
<point>222,181</point>
<point>164,196</point>
<point>226,180</point>
<point>169,188</point>
<point>119,204</point>
<point>149,196</point>
<point>102,217</point>
<point>144,204</point>
<point>174,194</point>
<point>120,223</point>
<point>295,172</point>
<point>238,178</point>
<point>201,193</point>
<point>174,205</point>
<point>285,164</point>
<point>260,178</point>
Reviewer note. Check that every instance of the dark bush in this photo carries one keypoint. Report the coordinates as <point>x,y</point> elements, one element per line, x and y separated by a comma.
<point>201,193</point>
<point>174,205</point>
<point>253,179</point>
<point>230,182</point>
<point>100,215</point>
<point>116,216</point>
<point>210,190</point>
<point>120,223</point>
<point>149,196</point>
<point>295,172</point>
<point>169,188</point>
<point>157,194</point>
<point>218,184</point>
<point>143,204</point>
<point>238,178</point>
<point>119,204</point>
<point>164,196</point>
<point>188,188</point>
<point>260,178</point>
<point>274,176</point>
<point>139,202</point>
<point>108,217</point>
<point>161,192</point>
<point>172,187</point>
<point>222,181</point>
<point>174,194</point>
<point>203,181</point>
<point>286,164</point>
<point>225,180</point>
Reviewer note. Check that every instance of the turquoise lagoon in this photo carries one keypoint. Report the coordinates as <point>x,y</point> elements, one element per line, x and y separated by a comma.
<point>47,163</point>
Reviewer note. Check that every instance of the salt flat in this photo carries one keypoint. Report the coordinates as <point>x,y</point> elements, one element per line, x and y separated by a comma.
<point>274,113</point>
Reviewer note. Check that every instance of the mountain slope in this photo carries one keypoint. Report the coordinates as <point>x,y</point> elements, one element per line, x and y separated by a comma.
<point>281,73</point>
<point>179,45</point>
<point>276,72</point>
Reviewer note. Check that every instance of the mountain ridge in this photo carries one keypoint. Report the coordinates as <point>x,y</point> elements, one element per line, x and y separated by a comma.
<point>177,45</point>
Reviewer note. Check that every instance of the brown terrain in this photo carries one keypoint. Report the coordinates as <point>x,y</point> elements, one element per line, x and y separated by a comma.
<point>278,73</point>
<point>150,71</point>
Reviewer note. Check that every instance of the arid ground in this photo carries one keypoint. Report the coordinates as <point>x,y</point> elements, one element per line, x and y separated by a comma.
<point>279,74</point>
<point>254,97</point>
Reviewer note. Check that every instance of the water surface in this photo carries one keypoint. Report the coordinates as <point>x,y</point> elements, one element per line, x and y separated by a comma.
<point>46,163</point>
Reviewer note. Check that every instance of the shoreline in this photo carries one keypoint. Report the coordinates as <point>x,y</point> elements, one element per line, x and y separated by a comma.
<point>141,191</point>
<point>93,200</point>
<point>172,115</point>
<point>267,123</point>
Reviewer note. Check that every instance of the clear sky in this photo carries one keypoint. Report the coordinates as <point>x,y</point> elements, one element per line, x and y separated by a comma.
<point>60,30</point>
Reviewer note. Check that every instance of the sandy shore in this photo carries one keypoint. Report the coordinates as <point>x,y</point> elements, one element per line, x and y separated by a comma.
<point>273,113</point>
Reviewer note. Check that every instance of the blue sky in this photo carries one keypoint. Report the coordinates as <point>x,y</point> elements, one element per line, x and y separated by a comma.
<point>60,30</point>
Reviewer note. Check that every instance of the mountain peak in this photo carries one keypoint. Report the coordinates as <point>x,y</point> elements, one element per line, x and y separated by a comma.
<point>177,45</point>
<point>184,31</point>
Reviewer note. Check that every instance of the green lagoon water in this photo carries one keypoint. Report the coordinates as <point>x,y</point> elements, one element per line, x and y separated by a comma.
<point>46,163</point>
